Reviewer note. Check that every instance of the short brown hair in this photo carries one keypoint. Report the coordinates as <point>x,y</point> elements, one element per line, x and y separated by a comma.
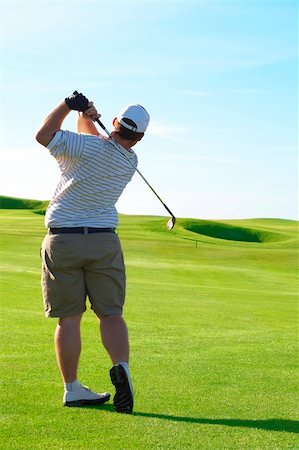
<point>125,133</point>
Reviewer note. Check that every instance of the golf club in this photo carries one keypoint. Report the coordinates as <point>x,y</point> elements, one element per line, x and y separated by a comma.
<point>172,220</point>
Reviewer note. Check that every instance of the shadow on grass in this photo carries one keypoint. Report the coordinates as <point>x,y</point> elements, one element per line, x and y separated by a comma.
<point>289,426</point>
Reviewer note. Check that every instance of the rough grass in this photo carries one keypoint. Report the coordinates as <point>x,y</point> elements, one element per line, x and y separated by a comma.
<point>213,330</point>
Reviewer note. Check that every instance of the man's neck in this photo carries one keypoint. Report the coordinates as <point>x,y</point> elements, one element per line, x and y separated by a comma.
<point>123,142</point>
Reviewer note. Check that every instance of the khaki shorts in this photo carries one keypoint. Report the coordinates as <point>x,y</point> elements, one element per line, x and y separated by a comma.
<point>75,266</point>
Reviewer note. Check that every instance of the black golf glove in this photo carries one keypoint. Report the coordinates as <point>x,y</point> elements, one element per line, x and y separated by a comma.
<point>77,102</point>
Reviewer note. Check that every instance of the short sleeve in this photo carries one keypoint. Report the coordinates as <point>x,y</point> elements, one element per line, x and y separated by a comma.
<point>66,145</point>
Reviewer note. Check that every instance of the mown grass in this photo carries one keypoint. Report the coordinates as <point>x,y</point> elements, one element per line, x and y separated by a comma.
<point>213,334</point>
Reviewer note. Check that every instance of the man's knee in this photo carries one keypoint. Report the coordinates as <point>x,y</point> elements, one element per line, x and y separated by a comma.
<point>109,316</point>
<point>70,321</point>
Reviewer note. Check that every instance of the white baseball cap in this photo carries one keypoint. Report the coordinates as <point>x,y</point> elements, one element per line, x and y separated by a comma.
<point>137,114</point>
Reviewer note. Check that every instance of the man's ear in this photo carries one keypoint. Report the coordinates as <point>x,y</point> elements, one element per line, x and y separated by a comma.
<point>114,121</point>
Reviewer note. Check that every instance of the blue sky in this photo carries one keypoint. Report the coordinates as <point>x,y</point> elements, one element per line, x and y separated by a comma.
<point>217,77</point>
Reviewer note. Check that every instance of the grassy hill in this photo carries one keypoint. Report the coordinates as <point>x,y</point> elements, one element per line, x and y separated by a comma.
<point>22,203</point>
<point>251,230</point>
<point>212,314</point>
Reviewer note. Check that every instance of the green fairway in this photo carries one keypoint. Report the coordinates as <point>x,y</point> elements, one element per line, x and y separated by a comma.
<point>212,316</point>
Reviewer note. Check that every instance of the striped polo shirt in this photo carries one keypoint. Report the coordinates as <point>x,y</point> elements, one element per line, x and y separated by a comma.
<point>93,176</point>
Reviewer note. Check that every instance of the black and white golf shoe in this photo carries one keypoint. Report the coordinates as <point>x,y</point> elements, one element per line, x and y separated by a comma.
<point>124,398</point>
<point>83,396</point>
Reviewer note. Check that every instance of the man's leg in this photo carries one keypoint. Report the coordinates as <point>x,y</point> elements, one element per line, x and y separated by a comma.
<point>64,293</point>
<point>115,339</point>
<point>68,346</point>
<point>68,349</point>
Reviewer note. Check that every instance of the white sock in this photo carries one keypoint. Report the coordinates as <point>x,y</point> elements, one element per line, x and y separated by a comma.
<point>71,387</point>
<point>125,365</point>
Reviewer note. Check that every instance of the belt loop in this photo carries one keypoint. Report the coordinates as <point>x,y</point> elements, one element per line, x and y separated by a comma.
<point>85,230</point>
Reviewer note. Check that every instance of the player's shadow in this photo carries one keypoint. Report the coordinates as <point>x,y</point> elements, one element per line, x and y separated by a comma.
<point>289,426</point>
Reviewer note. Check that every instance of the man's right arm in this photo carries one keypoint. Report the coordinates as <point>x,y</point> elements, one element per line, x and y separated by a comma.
<point>52,123</point>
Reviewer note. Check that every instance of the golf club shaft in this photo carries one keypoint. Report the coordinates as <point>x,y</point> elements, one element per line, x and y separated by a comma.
<point>144,179</point>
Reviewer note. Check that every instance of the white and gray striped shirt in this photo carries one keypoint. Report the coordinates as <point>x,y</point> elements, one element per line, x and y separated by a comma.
<point>93,176</point>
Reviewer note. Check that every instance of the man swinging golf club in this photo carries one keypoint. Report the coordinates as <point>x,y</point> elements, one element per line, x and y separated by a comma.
<point>81,254</point>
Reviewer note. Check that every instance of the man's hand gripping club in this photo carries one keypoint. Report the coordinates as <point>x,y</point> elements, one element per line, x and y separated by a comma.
<point>53,122</point>
<point>78,102</point>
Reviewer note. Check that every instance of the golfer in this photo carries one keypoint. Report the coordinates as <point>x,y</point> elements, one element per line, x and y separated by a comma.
<point>81,253</point>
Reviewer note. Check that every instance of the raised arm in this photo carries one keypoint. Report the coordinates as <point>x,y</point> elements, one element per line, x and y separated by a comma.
<point>52,124</point>
<point>85,122</point>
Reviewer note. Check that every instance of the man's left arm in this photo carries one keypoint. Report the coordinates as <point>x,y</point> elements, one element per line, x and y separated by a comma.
<point>85,121</point>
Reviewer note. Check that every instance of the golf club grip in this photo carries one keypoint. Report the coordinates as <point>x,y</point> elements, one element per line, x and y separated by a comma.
<point>102,126</point>
<point>82,108</point>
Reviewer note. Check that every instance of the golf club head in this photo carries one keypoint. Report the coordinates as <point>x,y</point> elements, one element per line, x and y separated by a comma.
<point>170,223</point>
